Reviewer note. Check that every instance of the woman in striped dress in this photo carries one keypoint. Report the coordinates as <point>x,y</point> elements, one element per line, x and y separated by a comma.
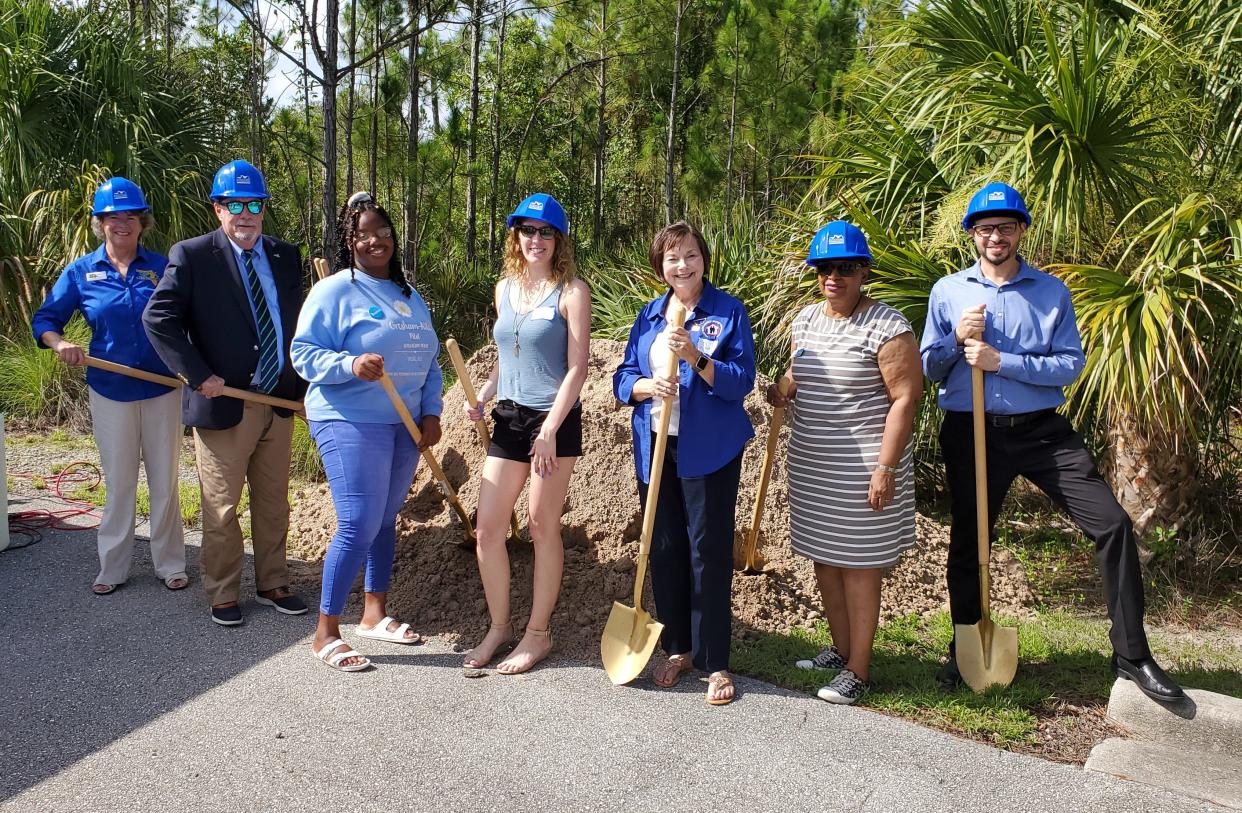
<point>855,381</point>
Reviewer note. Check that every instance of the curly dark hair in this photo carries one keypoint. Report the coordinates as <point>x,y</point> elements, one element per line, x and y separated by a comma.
<point>347,228</point>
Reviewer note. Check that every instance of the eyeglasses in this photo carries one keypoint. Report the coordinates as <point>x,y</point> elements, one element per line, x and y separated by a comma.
<point>235,207</point>
<point>379,234</point>
<point>1004,229</point>
<point>844,270</point>
<point>546,232</point>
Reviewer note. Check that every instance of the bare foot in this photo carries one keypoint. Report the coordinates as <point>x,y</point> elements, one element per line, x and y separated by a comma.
<point>497,636</point>
<point>534,647</point>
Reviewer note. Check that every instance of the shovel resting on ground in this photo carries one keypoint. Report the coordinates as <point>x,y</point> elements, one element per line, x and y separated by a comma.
<point>438,473</point>
<point>467,386</point>
<point>169,381</point>
<point>631,634</point>
<point>746,557</point>
<point>987,655</point>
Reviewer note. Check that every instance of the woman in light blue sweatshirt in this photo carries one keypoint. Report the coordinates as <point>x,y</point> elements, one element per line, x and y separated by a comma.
<point>353,327</point>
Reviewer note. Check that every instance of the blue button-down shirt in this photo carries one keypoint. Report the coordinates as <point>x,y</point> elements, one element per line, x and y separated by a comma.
<point>112,306</point>
<point>1029,320</point>
<point>714,423</point>
<point>268,283</point>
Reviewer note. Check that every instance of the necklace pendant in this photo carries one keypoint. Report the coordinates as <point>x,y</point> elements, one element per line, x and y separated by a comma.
<point>517,349</point>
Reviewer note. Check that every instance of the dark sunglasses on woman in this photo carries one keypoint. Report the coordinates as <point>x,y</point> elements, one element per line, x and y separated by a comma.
<point>842,269</point>
<point>235,206</point>
<point>546,232</point>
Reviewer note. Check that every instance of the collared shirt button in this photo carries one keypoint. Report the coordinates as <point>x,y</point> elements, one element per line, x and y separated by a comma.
<point>256,347</point>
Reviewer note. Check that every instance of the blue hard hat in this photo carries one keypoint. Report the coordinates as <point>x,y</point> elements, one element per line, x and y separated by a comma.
<point>118,195</point>
<point>839,240</point>
<point>541,207</point>
<point>239,179</point>
<point>996,199</point>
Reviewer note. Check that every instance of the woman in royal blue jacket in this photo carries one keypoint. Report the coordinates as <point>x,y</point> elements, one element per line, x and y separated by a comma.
<point>692,545</point>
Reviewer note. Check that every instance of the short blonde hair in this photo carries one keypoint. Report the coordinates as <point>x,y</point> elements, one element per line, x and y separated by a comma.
<point>146,222</point>
<point>564,269</point>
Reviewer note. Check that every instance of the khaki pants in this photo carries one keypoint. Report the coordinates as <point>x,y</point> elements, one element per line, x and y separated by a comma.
<point>126,432</point>
<point>255,451</point>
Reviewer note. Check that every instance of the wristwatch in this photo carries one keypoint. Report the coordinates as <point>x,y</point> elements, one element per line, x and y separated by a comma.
<point>884,468</point>
<point>700,364</point>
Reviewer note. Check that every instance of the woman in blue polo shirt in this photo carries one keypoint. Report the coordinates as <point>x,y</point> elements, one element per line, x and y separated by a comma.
<point>356,325</point>
<point>132,419</point>
<point>692,545</point>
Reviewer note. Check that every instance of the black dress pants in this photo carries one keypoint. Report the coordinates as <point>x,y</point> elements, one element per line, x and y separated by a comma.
<point>692,559</point>
<point>1048,452</point>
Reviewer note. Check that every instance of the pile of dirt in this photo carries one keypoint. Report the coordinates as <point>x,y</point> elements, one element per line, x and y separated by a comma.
<point>436,583</point>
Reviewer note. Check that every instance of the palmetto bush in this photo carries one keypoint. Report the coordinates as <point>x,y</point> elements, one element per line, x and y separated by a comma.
<point>81,98</point>
<point>1121,124</point>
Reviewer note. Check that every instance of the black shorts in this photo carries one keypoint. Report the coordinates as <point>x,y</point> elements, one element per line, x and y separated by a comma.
<point>516,427</point>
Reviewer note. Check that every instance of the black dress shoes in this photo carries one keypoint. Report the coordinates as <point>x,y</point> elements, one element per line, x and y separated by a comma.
<point>1149,677</point>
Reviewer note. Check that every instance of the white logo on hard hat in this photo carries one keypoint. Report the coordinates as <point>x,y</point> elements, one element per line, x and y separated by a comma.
<point>997,195</point>
<point>243,179</point>
<point>536,205</point>
<point>836,239</point>
<point>120,194</point>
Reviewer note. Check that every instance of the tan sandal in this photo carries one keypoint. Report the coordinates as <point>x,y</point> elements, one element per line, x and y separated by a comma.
<point>717,682</point>
<point>666,675</point>
<point>546,634</point>
<point>472,662</point>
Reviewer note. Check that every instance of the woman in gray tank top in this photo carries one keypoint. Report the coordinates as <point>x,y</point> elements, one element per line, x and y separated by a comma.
<point>542,335</point>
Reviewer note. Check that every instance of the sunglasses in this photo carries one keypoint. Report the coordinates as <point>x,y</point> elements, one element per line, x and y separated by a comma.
<point>1003,229</point>
<point>384,233</point>
<point>235,207</point>
<point>546,232</point>
<point>844,270</point>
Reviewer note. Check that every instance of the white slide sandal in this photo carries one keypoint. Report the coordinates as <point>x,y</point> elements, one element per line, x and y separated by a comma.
<point>335,660</point>
<point>380,632</point>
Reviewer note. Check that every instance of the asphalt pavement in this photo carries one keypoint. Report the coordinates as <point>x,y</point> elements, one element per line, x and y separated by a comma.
<point>137,702</point>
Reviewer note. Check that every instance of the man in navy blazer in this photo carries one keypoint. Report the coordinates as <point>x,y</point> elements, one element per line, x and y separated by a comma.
<point>224,315</point>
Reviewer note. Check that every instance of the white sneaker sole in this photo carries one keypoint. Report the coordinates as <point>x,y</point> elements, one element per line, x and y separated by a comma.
<point>833,697</point>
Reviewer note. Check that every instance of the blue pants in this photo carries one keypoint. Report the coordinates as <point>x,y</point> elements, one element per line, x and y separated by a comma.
<point>692,559</point>
<point>370,467</point>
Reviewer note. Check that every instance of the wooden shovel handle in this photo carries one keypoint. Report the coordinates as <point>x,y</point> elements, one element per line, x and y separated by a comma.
<point>438,473</point>
<point>472,398</point>
<point>169,381</point>
<point>676,318</point>
<point>981,493</point>
<point>321,268</point>
<point>769,454</point>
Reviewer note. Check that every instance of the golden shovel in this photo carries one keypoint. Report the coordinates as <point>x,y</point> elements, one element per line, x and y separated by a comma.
<point>436,472</point>
<point>987,655</point>
<point>631,634</point>
<point>472,398</point>
<point>746,555</point>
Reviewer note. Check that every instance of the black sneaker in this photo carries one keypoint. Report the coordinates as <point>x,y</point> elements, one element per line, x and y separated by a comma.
<point>289,605</point>
<point>844,689</point>
<point>227,616</point>
<point>830,658</point>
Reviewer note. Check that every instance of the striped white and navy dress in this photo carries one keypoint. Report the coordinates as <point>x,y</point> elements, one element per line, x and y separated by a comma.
<point>838,421</point>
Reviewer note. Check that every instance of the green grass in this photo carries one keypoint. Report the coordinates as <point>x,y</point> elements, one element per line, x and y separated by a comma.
<point>35,386</point>
<point>1063,659</point>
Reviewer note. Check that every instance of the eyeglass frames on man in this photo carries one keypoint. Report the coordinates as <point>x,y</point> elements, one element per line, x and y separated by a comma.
<point>235,207</point>
<point>1003,229</point>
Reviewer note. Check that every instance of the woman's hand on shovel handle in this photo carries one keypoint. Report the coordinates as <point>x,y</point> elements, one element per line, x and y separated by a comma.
<point>774,391</point>
<point>645,388</point>
<point>543,455</point>
<point>369,366</point>
<point>429,428</point>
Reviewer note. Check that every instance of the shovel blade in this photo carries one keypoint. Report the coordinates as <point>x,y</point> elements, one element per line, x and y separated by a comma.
<point>986,657</point>
<point>630,636</point>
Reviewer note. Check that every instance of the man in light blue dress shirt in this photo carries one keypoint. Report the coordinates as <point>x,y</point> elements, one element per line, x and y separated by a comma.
<point>1017,324</point>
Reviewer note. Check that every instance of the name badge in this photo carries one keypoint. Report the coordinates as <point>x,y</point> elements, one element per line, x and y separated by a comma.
<point>546,313</point>
<point>96,276</point>
<point>799,353</point>
<point>707,346</point>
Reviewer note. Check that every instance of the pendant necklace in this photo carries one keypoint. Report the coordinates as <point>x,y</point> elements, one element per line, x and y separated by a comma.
<point>520,318</point>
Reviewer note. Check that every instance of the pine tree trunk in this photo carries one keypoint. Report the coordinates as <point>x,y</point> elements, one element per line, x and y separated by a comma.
<point>472,136</point>
<point>601,134</point>
<point>496,88</point>
<point>377,70</point>
<point>331,75</point>
<point>409,254</point>
<point>349,103</point>
<point>670,157</point>
<point>737,60</point>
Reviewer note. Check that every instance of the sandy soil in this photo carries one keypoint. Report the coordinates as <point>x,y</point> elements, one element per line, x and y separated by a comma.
<point>436,584</point>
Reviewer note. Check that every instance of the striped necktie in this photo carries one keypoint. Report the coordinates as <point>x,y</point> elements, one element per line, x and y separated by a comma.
<point>269,356</point>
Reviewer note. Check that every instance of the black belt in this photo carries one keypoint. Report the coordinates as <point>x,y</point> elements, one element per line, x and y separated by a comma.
<point>1010,421</point>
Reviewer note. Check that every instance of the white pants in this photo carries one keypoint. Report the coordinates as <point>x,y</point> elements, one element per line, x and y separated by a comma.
<point>125,432</point>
